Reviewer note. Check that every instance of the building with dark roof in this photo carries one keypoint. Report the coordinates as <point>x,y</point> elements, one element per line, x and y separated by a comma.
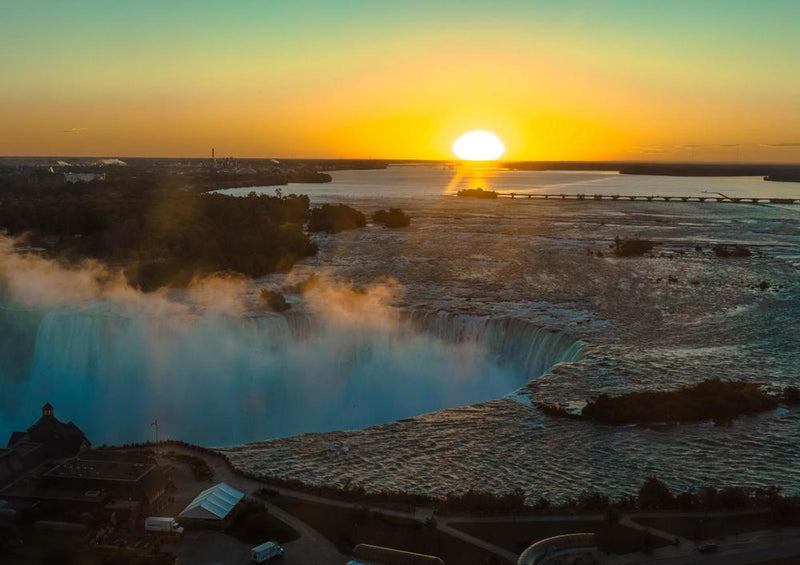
<point>47,439</point>
<point>52,468</point>
<point>57,438</point>
<point>118,479</point>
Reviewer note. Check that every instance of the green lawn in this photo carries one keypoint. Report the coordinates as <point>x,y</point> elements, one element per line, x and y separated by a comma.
<point>517,535</point>
<point>701,527</point>
<point>348,527</point>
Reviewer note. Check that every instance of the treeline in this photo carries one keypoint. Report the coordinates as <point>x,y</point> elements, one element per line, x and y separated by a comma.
<point>631,247</point>
<point>476,193</point>
<point>654,494</point>
<point>336,218</point>
<point>167,236</point>
<point>191,235</point>
<point>393,218</point>
<point>200,469</point>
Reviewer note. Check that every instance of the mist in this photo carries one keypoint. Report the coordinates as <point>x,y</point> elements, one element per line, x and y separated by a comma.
<point>215,370</point>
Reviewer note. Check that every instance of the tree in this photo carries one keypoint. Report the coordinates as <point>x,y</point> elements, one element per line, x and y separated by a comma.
<point>542,504</point>
<point>631,247</point>
<point>593,500</point>
<point>333,219</point>
<point>654,494</point>
<point>274,301</point>
<point>612,516</point>
<point>791,394</point>
<point>394,218</point>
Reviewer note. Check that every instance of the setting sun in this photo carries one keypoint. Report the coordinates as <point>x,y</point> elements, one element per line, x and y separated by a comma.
<point>479,145</point>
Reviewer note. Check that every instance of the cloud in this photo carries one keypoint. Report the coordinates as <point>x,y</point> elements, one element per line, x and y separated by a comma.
<point>73,130</point>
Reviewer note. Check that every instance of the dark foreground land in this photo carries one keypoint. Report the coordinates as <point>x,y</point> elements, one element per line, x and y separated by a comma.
<point>161,227</point>
<point>703,527</point>
<point>470,528</point>
<point>518,535</point>
<point>776,171</point>
<point>349,527</point>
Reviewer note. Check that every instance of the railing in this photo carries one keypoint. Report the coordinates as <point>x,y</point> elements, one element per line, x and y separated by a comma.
<point>543,551</point>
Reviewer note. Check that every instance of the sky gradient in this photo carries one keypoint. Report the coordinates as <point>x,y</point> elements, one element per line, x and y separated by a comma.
<point>677,80</point>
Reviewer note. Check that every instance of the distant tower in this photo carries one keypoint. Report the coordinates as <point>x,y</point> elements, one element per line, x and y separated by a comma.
<point>47,410</point>
<point>213,158</point>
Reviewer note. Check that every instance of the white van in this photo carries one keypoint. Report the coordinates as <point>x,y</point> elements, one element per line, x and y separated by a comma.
<point>162,524</point>
<point>265,552</point>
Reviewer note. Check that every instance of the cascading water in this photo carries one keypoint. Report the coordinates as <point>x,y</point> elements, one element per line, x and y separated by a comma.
<point>529,349</point>
<point>221,380</point>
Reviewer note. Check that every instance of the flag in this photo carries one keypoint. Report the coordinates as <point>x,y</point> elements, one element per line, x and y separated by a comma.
<point>155,423</point>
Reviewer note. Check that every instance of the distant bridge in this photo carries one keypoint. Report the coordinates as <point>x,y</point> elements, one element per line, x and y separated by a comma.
<point>649,198</point>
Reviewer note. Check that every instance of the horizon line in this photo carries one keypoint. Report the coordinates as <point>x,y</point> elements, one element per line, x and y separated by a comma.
<point>411,160</point>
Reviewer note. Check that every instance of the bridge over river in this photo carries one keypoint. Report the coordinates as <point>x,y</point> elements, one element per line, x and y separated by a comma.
<point>648,198</point>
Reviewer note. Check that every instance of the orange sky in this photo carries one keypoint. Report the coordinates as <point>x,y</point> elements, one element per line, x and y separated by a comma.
<point>586,80</point>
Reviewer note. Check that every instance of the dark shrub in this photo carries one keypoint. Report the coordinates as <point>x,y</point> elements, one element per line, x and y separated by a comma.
<point>593,500</point>
<point>274,301</point>
<point>730,498</point>
<point>333,219</point>
<point>612,516</point>
<point>631,247</point>
<point>394,218</point>
<point>654,494</point>
<point>791,394</point>
<point>476,193</point>
<point>731,251</point>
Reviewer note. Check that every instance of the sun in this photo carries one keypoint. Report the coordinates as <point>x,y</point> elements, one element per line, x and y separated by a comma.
<point>479,145</point>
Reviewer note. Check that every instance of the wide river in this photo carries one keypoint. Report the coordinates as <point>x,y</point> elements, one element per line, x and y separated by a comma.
<point>417,181</point>
<point>417,362</point>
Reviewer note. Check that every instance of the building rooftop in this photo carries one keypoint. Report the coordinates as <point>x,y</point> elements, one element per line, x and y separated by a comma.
<point>100,470</point>
<point>59,438</point>
<point>23,448</point>
<point>214,503</point>
<point>32,492</point>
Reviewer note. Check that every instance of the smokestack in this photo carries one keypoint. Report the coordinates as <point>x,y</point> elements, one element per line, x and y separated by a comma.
<point>213,159</point>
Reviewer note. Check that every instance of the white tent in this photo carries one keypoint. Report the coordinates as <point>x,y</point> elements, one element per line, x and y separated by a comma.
<point>214,503</point>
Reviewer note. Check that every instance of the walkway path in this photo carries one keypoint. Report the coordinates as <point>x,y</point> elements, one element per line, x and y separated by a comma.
<point>222,472</point>
<point>311,549</point>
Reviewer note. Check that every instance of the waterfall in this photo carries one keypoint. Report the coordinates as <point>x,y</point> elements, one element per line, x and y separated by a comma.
<point>221,380</point>
<point>531,350</point>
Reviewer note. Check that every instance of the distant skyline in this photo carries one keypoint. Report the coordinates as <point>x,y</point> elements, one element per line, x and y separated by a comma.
<point>573,80</point>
